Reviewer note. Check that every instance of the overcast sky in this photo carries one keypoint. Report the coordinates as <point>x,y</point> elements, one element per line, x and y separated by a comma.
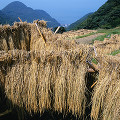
<point>64,11</point>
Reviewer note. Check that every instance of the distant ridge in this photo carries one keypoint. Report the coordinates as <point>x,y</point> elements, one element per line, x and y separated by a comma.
<point>18,9</point>
<point>107,16</point>
<point>74,25</point>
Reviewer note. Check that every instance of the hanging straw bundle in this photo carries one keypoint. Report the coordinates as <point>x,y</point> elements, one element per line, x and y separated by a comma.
<point>108,45</point>
<point>106,97</point>
<point>15,37</point>
<point>40,72</point>
<point>42,80</point>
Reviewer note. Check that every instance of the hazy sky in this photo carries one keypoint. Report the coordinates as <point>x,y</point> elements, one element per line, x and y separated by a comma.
<point>64,11</point>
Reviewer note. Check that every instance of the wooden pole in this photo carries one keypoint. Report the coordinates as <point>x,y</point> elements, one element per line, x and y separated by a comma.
<point>94,84</point>
<point>20,19</point>
<point>40,33</point>
<point>57,29</point>
<point>92,66</point>
<point>90,70</point>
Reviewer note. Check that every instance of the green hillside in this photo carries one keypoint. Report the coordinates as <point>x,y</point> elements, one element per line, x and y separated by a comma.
<point>4,19</point>
<point>107,16</point>
<point>17,9</point>
<point>74,25</point>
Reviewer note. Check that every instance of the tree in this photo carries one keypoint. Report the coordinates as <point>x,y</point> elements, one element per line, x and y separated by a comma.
<point>61,30</point>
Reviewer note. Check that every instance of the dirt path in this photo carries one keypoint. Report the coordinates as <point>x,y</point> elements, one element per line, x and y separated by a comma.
<point>87,40</point>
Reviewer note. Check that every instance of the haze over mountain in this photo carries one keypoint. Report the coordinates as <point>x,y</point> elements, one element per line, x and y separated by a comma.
<point>18,9</point>
<point>107,16</point>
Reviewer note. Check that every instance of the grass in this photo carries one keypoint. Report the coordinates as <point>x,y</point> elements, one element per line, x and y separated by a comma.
<point>110,31</point>
<point>77,37</point>
<point>85,35</point>
<point>115,52</point>
<point>94,61</point>
<point>107,32</point>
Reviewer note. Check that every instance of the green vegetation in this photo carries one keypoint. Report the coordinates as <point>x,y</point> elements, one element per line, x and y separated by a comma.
<point>101,38</point>
<point>94,61</point>
<point>106,17</point>
<point>85,35</point>
<point>74,25</point>
<point>110,31</point>
<point>115,52</point>
<point>77,37</point>
<point>5,19</point>
<point>107,32</point>
<point>61,30</point>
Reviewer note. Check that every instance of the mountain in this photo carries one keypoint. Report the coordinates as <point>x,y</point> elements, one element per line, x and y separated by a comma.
<point>107,16</point>
<point>18,9</point>
<point>74,25</point>
<point>5,19</point>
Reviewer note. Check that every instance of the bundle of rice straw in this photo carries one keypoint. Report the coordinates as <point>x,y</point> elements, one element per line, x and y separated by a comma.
<point>41,76</point>
<point>15,37</point>
<point>106,97</point>
<point>108,45</point>
<point>44,80</point>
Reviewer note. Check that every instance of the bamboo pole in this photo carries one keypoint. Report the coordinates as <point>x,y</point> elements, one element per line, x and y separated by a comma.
<point>94,84</point>
<point>40,33</point>
<point>20,19</point>
<point>92,66</point>
<point>90,70</point>
<point>57,29</point>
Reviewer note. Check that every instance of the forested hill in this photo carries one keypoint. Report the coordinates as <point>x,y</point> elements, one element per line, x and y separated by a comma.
<point>5,19</point>
<point>74,25</point>
<point>18,9</point>
<point>107,16</point>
